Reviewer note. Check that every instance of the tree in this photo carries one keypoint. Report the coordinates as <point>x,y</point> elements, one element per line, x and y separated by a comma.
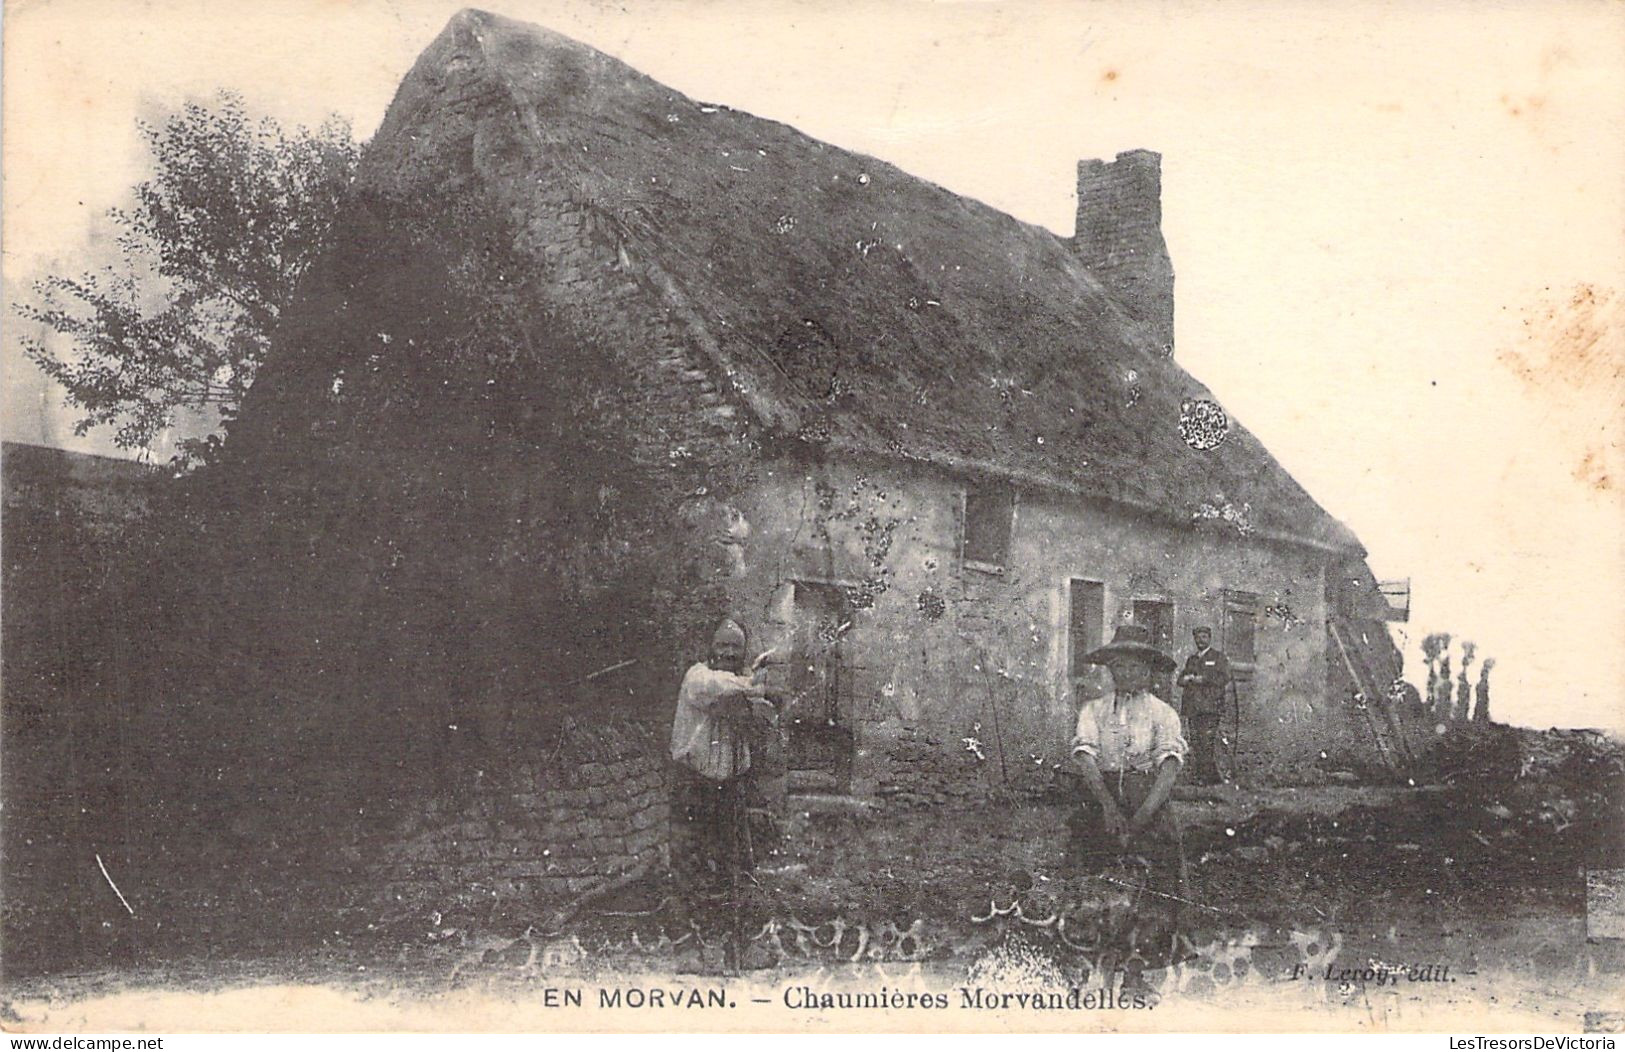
<point>1481,714</point>
<point>1446,706</point>
<point>209,254</point>
<point>1434,646</point>
<point>1464,686</point>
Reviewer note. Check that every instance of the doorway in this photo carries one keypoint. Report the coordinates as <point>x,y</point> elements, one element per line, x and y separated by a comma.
<point>818,716</point>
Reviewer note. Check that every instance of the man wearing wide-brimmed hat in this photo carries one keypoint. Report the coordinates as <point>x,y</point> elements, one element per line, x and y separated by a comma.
<point>1129,750</point>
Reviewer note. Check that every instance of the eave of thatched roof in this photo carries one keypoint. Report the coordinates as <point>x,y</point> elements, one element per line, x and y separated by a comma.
<point>846,304</point>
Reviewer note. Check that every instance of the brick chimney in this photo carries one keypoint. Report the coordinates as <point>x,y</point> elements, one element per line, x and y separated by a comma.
<point>1119,237</point>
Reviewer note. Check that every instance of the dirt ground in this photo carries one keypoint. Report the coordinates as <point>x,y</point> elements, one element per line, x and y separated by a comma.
<point>1385,903</point>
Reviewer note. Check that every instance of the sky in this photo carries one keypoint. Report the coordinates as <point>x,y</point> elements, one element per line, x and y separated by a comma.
<point>1398,229</point>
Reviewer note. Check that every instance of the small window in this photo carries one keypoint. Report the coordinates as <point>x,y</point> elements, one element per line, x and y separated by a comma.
<point>989,512</point>
<point>1157,617</point>
<point>1240,627</point>
<point>1087,624</point>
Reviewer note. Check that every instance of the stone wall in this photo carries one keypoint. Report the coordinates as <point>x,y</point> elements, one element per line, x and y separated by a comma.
<point>921,770</point>
<point>566,823</point>
<point>101,493</point>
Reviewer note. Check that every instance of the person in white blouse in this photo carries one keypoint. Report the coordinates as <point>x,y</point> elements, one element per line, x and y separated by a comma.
<point>1129,746</point>
<point>1129,751</point>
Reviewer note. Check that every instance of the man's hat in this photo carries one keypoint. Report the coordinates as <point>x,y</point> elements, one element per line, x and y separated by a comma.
<point>1132,641</point>
<point>731,628</point>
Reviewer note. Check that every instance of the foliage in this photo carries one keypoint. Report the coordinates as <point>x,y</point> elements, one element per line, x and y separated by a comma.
<point>451,501</point>
<point>1481,712</point>
<point>443,506</point>
<point>208,257</point>
<point>1451,700</point>
<point>1464,685</point>
<point>1435,648</point>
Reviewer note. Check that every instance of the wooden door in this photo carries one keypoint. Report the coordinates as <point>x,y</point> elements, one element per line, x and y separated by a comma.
<point>819,714</point>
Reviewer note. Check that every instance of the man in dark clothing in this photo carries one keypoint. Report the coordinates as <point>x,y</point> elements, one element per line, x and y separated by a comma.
<point>1206,680</point>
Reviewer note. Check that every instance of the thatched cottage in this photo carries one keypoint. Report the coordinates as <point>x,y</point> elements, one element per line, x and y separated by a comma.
<point>973,448</point>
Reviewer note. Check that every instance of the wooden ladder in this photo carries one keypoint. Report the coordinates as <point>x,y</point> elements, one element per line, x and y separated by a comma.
<point>1395,758</point>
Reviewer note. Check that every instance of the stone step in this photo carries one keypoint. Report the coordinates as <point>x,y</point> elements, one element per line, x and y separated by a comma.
<point>831,803</point>
<point>815,781</point>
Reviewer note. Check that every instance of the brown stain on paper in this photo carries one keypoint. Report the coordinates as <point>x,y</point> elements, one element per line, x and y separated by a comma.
<point>1581,340</point>
<point>1531,104</point>
<point>1573,360</point>
<point>1593,471</point>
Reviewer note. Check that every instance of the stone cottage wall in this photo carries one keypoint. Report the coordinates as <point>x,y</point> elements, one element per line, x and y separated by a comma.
<point>979,661</point>
<point>1286,716</point>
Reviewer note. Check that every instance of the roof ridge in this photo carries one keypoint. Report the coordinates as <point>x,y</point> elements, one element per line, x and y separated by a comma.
<point>951,331</point>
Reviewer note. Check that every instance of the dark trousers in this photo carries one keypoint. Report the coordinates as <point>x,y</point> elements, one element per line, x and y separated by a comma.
<point>1138,909</point>
<point>1202,730</point>
<point>712,842</point>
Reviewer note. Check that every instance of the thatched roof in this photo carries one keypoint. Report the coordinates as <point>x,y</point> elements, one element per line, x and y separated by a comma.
<point>844,303</point>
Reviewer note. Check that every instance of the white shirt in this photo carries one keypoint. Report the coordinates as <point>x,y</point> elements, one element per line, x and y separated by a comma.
<point>702,738</point>
<point>1131,734</point>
